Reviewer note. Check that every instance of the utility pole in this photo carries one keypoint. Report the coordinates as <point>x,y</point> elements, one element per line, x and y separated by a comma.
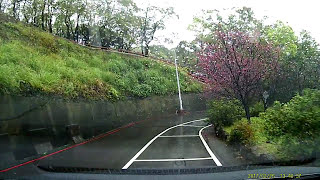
<point>178,82</point>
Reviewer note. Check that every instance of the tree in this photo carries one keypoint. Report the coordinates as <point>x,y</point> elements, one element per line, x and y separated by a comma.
<point>282,36</point>
<point>307,62</point>
<point>237,64</point>
<point>242,19</point>
<point>186,54</point>
<point>2,5</point>
<point>119,23</point>
<point>152,21</point>
<point>299,59</point>
<point>110,23</point>
<point>162,52</point>
<point>15,7</point>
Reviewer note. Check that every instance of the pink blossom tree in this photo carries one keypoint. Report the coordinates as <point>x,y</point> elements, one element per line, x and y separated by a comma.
<point>236,65</point>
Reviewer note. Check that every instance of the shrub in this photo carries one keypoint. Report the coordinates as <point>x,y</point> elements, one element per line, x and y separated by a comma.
<point>300,117</point>
<point>142,90</point>
<point>296,123</point>
<point>256,109</point>
<point>224,112</point>
<point>241,133</point>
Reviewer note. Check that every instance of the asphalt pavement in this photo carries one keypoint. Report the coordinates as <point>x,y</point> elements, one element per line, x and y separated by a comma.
<point>161,143</point>
<point>180,146</point>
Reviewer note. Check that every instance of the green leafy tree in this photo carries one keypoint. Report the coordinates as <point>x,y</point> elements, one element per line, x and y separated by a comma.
<point>283,36</point>
<point>119,23</point>
<point>186,54</point>
<point>243,19</point>
<point>153,19</point>
<point>2,5</point>
<point>299,59</point>
<point>161,52</point>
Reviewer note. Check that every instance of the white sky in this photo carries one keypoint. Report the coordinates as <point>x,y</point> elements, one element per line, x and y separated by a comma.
<point>299,14</point>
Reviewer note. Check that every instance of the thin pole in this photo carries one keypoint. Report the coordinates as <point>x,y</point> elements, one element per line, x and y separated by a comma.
<point>178,82</point>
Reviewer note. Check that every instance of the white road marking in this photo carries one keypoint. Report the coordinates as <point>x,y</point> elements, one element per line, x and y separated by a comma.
<point>180,136</point>
<point>160,160</point>
<point>215,159</point>
<point>192,126</point>
<point>38,129</point>
<point>150,142</point>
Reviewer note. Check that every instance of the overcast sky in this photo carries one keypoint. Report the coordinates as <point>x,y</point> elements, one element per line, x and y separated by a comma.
<point>299,14</point>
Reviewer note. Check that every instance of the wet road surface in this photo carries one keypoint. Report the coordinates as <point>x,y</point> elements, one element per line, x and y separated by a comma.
<point>178,147</point>
<point>172,146</point>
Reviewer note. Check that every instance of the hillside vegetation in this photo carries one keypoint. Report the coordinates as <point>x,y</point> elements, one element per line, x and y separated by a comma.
<point>35,62</point>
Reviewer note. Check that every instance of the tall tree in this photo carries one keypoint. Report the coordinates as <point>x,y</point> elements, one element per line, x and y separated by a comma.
<point>236,65</point>
<point>242,19</point>
<point>119,23</point>
<point>186,54</point>
<point>298,61</point>
<point>152,21</point>
<point>2,5</point>
<point>15,7</point>
<point>307,62</point>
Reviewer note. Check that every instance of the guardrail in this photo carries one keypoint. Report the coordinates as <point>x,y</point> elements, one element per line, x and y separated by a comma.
<point>125,51</point>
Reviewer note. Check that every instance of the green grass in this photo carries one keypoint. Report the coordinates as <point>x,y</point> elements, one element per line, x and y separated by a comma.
<point>35,62</point>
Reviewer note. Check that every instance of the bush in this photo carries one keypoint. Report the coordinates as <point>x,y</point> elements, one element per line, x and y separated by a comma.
<point>296,124</point>
<point>300,117</point>
<point>241,133</point>
<point>224,112</point>
<point>256,109</point>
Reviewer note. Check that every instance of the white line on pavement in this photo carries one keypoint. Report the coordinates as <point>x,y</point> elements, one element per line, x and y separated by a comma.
<point>215,159</point>
<point>180,136</point>
<point>153,139</point>
<point>159,160</point>
<point>192,126</point>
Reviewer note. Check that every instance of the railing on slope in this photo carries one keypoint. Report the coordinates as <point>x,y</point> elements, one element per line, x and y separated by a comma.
<point>125,51</point>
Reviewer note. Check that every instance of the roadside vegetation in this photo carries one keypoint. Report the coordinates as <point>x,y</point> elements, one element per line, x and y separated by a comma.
<point>265,81</point>
<point>35,62</point>
<point>286,130</point>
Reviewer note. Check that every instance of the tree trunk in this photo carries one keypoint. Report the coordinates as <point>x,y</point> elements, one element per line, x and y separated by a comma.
<point>14,9</point>
<point>142,51</point>
<point>146,51</point>
<point>67,25</point>
<point>246,108</point>
<point>34,18</point>
<point>50,25</point>
<point>1,1</point>
<point>50,16</point>
<point>42,15</point>
<point>76,33</point>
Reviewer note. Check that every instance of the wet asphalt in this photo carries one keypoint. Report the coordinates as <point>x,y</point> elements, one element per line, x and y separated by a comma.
<point>115,150</point>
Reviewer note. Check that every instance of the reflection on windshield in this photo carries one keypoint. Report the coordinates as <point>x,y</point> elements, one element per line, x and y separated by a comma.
<point>131,84</point>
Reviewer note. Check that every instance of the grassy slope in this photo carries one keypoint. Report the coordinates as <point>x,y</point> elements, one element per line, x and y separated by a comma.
<point>35,62</point>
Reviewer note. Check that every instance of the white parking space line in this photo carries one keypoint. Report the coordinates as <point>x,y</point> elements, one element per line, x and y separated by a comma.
<point>215,159</point>
<point>161,160</point>
<point>192,126</point>
<point>150,142</point>
<point>179,136</point>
